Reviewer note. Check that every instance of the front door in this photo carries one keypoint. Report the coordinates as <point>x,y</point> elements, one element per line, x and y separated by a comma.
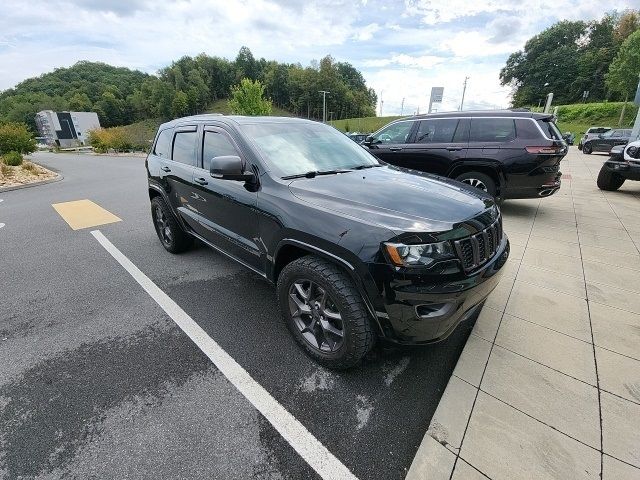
<point>226,209</point>
<point>390,143</point>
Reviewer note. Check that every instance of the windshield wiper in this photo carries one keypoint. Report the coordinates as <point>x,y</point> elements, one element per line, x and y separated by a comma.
<point>314,173</point>
<point>362,167</point>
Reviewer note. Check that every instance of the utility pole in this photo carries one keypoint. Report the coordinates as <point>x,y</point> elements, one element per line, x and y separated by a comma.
<point>464,90</point>
<point>331,117</point>
<point>381,102</point>
<point>402,107</point>
<point>324,105</point>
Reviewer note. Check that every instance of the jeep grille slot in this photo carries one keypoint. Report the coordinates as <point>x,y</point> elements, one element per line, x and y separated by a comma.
<point>476,250</point>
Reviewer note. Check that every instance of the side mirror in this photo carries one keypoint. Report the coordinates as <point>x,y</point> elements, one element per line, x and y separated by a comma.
<point>229,167</point>
<point>369,140</point>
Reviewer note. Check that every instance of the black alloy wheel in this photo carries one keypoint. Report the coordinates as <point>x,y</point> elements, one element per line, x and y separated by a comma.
<point>325,312</point>
<point>173,238</point>
<point>587,148</point>
<point>316,315</point>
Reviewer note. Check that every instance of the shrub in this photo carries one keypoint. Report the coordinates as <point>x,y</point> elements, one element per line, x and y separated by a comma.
<point>12,158</point>
<point>30,167</point>
<point>16,137</point>
<point>5,170</point>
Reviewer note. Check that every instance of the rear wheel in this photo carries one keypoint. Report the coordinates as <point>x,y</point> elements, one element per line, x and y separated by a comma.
<point>587,148</point>
<point>480,181</point>
<point>173,238</point>
<point>608,180</point>
<point>324,312</point>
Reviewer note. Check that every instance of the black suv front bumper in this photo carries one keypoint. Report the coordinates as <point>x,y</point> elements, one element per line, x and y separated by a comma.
<point>419,312</point>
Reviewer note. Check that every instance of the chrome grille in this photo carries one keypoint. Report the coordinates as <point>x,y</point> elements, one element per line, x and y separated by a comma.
<point>476,250</point>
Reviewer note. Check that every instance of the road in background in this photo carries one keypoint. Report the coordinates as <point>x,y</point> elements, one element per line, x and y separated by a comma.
<point>96,379</point>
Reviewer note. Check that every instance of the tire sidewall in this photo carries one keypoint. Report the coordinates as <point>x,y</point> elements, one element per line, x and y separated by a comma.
<point>292,273</point>
<point>587,148</point>
<point>486,179</point>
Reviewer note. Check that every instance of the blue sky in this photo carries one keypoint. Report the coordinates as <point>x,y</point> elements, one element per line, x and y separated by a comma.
<point>403,48</point>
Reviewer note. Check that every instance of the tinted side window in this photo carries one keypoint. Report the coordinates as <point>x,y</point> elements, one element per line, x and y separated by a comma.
<point>184,147</point>
<point>215,145</point>
<point>437,131</point>
<point>394,133</point>
<point>163,144</point>
<point>617,133</point>
<point>527,129</point>
<point>492,130</point>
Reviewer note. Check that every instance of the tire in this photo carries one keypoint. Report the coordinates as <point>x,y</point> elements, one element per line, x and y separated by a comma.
<point>608,180</point>
<point>173,238</point>
<point>587,148</point>
<point>300,288</point>
<point>480,181</point>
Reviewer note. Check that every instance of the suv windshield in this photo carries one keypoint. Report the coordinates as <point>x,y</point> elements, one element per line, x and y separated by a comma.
<point>297,148</point>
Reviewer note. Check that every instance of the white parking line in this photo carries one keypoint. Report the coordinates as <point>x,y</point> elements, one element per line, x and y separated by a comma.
<point>302,441</point>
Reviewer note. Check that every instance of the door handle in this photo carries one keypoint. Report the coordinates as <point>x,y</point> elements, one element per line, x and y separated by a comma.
<point>165,169</point>
<point>395,149</point>
<point>200,181</point>
<point>454,149</point>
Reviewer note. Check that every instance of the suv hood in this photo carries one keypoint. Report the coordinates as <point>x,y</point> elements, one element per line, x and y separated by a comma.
<point>400,201</point>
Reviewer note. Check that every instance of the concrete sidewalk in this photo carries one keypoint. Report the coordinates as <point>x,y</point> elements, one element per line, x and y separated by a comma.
<point>548,385</point>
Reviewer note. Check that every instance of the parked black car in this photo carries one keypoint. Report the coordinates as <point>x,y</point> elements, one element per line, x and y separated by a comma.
<point>358,249</point>
<point>623,164</point>
<point>508,154</point>
<point>604,142</point>
<point>569,138</point>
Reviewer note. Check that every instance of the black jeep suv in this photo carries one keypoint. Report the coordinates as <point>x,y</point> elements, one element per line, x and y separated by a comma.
<point>358,250</point>
<point>508,154</point>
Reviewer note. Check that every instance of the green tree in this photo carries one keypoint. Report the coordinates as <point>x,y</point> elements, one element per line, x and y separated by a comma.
<point>248,98</point>
<point>80,102</point>
<point>180,104</point>
<point>16,137</point>
<point>622,78</point>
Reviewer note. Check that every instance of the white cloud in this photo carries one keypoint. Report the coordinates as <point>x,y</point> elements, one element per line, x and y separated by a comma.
<point>424,61</point>
<point>366,33</point>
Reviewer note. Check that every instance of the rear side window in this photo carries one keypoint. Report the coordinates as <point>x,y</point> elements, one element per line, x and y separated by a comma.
<point>492,130</point>
<point>437,131</point>
<point>184,147</point>
<point>163,144</point>
<point>215,144</point>
<point>527,129</point>
<point>550,130</point>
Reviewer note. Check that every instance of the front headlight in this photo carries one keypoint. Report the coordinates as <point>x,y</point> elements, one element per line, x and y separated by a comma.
<point>419,255</point>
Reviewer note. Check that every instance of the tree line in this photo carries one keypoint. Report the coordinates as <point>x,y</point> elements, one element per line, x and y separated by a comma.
<point>189,85</point>
<point>571,57</point>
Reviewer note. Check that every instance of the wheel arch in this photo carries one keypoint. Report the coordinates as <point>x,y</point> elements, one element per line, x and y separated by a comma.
<point>488,168</point>
<point>289,250</point>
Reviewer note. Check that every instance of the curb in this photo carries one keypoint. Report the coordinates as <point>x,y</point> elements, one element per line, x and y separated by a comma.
<point>34,184</point>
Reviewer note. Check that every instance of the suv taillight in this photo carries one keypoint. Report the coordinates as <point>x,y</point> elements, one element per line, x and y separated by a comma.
<point>545,150</point>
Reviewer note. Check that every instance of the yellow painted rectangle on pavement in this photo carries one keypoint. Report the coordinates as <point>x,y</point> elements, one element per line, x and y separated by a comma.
<point>84,214</point>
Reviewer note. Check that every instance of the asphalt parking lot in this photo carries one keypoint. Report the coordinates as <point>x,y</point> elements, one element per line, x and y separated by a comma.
<point>97,381</point>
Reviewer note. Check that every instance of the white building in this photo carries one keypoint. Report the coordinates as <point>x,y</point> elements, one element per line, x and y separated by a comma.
<point>66,129</point>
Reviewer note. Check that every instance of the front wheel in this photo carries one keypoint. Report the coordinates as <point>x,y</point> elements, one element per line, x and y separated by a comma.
<point>608,180</point>
<point>587,148</point>
<point>324,312</point>
<point>480,181</point>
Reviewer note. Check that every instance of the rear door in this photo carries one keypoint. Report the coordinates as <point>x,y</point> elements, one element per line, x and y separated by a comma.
<point>491,138</point>
<point>390,143</point>
<point>176,172</point>
<point>437,145</point>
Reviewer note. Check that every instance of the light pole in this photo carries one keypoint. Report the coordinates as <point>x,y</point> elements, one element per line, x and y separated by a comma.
<point>324,105</point>
<point>464,90</point>
<point>381,102</point>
